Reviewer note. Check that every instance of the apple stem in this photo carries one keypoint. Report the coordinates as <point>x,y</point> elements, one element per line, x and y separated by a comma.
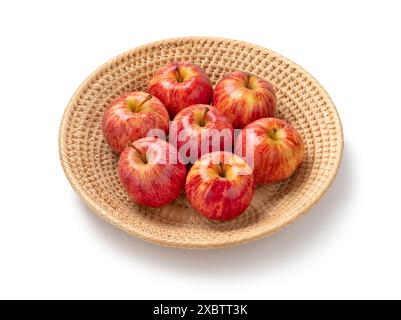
<point>202,124</point>
<point>247,82</point>
<point>143,157</point>
<point>144,101</point>
<point>221,170</point>
<point>179,76</point>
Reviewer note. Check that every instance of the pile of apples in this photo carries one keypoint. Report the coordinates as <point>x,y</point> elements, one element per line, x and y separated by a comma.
<point>217,152</point>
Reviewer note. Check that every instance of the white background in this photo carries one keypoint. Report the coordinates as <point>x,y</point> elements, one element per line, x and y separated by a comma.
<point>52,246</point>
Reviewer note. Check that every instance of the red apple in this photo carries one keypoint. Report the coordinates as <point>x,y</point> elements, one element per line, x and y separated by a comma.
<point>272,147</point>
<point>220,185</point>
<point>179,85</point>
<point>200,129</point>
<point>151,172</point>
<point>243,98</point>
<point>130,118</point>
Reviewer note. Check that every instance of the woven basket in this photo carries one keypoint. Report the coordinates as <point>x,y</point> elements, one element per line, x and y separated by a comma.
<point>90,165</point>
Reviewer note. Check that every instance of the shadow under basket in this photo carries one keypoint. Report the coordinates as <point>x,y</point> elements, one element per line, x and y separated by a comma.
<point>91,166</point>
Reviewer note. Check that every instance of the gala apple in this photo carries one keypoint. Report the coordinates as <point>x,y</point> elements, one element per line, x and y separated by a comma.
<point>220,185</point>
<point>272,147</point>
<point>151,172</point>
<point>179,85</point>
<point>199,129</point>
<point>131,117</point>
<point>243,98</point>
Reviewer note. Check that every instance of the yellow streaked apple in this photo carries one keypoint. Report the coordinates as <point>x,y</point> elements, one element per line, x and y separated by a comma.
<point>244,98</point>
<point>220,185</point>
<point>272,147</point>
<point>179,85</point>
<point>200,129</point>
<point>131,117</point>
<point>151,172</point>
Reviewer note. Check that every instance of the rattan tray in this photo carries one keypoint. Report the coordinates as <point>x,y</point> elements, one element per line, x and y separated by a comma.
<point>90,166</point>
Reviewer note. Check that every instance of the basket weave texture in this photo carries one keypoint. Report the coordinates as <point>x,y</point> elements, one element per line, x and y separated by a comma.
<point>91,166</point>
